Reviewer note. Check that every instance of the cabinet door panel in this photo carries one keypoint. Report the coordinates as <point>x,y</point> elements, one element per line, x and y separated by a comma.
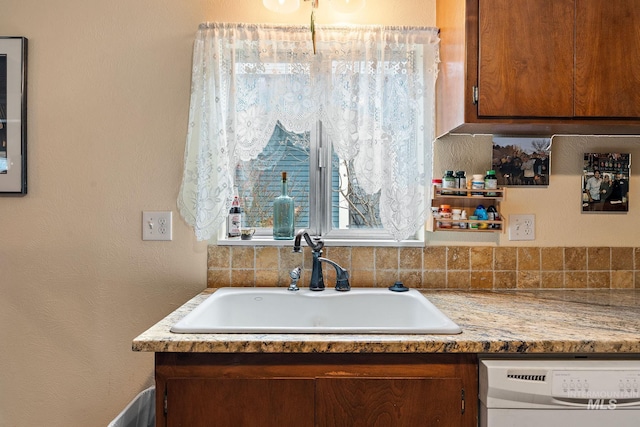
<point>388,402</point>
<point>607,58</point>
<point>525,62</point>
<point>240,402</point>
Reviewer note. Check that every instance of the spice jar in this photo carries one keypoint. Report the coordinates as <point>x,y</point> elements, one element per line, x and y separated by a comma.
<point>455,217</point>
<point>445,213</point>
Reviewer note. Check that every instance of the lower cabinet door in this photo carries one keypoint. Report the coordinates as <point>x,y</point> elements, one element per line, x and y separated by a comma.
<point>233,402</point>
<point>389,402</point>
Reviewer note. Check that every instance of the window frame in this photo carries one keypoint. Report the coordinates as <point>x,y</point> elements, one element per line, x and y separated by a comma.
<point>320,215</point>
<point>320,198</point>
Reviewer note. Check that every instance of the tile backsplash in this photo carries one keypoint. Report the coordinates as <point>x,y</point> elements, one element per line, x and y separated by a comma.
<point>435,267</point>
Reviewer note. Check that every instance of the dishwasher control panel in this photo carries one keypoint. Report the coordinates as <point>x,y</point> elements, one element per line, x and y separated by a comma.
<point>559,392</point>
<point>595,384</point>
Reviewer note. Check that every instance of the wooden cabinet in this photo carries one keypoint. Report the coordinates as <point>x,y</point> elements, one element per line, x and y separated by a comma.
<point>395,401</point>
<point>268,402</point>
<point>298,390</point>
<point>607,58</point>
<point>538,67</point>
<point>525,58</point>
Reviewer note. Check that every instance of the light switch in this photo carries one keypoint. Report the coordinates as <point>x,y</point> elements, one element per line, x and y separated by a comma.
<point>156,225</point>
<point>522,227</point>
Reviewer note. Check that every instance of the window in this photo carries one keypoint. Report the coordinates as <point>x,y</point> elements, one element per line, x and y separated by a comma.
<point>344,207</point>
<point>352,127</point>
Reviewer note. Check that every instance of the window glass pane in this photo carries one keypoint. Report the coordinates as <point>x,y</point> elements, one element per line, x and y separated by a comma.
<point>259,180</point>
<point>356,208</point>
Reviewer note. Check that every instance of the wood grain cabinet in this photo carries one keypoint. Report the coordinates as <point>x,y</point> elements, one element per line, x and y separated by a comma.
<point>298,390</point>
<point>539,66</point>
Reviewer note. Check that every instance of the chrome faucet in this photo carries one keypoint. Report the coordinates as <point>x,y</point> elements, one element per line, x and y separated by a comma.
<point>317,280</point>
<point>295,276</point>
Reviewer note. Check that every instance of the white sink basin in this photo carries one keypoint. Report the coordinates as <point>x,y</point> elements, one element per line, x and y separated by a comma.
<point>278,310</point>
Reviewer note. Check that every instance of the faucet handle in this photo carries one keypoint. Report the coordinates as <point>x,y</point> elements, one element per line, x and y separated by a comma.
<point>343,284</point>
<point>295,276</point>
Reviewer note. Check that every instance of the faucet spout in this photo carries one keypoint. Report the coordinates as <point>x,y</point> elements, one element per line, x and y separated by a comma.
<point>316,247</point>
<point>317,281</point>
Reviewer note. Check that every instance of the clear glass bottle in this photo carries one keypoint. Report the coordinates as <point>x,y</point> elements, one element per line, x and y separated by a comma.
<point>283,214</point>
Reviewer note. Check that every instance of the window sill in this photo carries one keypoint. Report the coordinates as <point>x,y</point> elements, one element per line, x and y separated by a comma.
<point>268,241</point>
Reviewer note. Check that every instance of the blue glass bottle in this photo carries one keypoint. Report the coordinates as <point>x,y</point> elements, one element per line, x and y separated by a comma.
<point>283,224</point>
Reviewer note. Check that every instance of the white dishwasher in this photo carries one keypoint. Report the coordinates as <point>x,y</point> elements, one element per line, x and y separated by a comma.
<point>559,393</point>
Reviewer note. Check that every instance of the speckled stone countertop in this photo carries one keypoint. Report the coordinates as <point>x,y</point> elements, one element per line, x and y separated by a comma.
<point>566,321</point>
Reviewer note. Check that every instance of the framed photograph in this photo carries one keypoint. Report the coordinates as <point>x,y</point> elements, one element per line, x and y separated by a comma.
<point>13,116</point>
<point>521,161</point>
<point>605,182</point>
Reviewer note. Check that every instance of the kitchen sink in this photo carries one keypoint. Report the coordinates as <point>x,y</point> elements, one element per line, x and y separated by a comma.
<point>278,310</point>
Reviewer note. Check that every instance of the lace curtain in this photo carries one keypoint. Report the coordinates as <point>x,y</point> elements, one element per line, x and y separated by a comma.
<point>371,86</point>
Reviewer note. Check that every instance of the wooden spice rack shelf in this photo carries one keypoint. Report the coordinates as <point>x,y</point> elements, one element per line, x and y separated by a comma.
<point>440,193</point>
<point>468,202</point>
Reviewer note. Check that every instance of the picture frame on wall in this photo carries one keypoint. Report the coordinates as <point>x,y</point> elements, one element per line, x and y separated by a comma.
<point>13,116</point>
<point>521,161</point>
<point>605,182</point>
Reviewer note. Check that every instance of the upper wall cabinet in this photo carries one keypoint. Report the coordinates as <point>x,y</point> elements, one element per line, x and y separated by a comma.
<point>539,66</point>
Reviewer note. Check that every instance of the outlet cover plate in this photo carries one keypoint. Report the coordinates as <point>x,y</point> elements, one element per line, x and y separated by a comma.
<point>156,225</point>
<point>522,227</point>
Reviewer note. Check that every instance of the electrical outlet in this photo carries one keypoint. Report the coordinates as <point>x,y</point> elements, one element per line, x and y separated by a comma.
<point>156,225</point>
<point>522,227</point>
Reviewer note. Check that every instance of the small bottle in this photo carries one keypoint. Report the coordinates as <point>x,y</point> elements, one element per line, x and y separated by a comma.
<point>491,183</point>
<point>463,217</point>
<point>461,181</point>
<point>445,213</point>
<point>456,216</point>
<point>481,213</point>
<point>493,215</point>
<point>234,219</point>
<point>448,182</point>
<point>437,184</point>
<point>283,214</point>
<point>477,183</point>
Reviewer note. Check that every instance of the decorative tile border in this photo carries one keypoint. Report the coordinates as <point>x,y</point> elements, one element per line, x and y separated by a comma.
<point>436,267</point>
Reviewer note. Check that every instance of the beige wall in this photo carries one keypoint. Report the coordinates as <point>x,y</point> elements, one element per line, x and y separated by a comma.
<point>557,208</point>
<point>108,103</point>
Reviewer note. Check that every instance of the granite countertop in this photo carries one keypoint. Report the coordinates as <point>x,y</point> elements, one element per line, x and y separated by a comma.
<point>563,321</point>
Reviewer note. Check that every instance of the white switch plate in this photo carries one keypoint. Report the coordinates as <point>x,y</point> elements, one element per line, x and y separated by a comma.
<point>522,227</point>
<point>156,225</point>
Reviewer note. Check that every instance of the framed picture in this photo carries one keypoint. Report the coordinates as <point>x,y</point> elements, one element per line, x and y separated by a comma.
<point>13,116</point>
<point>605,182</point>
<point>521,161</point>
